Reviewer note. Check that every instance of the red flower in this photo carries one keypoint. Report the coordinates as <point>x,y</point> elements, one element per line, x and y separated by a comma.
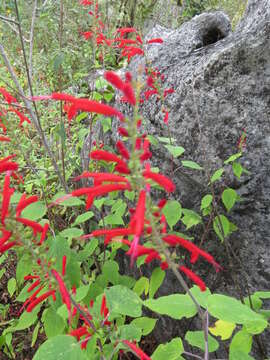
<point>36,227</point>
<point>136,350</point>
<point>125,87</point>
<point>8,97</point>
<point>99,178</point>
<point>8,166</point>
<point>44,233</point>
<point>166,118</point>
<point>22,117</point>
<point>161,180</point>
<point>63,290</point>
<point>157,40</point>
<point>5,138</point>
<point>38,300</point>
<point>7,193</point>
<point>24,202</point>
<point>122,149</point>
<point>123,132</point>
<point>5,236</point>
<point>195,278</point>
<point>64,262</point>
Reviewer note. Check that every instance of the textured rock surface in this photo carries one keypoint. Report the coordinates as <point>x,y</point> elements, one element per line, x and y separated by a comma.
<point>222,85</point>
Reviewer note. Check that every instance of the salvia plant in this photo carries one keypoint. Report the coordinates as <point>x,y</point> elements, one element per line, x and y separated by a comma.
<point>68,282</point>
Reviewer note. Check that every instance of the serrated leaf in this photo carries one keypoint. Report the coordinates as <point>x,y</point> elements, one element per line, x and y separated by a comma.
<point>34,211</point>
<point>242,341</point>
<point>191,165</point>
<point>233,158</point>
<point>217,175</point>
<point>223,329</point>
<point>11,286</point>
<point>53,323</point>
<point>206,201</point>
<point>237,169</point>
<point>196,338</point>
<point>156,280</point>
<point>229,197</point>
<point>176,151</point>
<point>190,218</point>
<point>71,233</point>
<point>61,347</point>
<point>121,300</point>
<point>144,323</point>
<point>176,306</point>
<point>83,217</point>
<point>171,350</point>
<point>142,285</point>
<point>172,212</point>
<point>221,226</point>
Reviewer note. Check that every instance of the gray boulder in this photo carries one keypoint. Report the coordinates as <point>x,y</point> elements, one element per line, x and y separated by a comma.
<point>222,85</point>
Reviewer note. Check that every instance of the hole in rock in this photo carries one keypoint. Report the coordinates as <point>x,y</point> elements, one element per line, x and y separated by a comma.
<point>212,36</point>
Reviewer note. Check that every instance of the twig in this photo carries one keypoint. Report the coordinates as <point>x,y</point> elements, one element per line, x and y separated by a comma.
<point>32,39</point>
<point>192,355</point>
<point>33,117</point>
<point>205,331</point>
<point>4,18</point>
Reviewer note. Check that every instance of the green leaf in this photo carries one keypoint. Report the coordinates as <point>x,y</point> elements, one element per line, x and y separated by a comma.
<point>71,233</point>
<point>219,221</point>
<point>144,323</point>
<point>153,140</point>
<point>233,158</point>
<point>27,319</point>
<point>172,212</point>
<point>111,271</point>
<point>88,250</point>
<point>24,267</point>
<point>229,197</point>
<point>223,329</point>
<point>206,201</point>
<point>237,169</point>
<point>171,350</point>
<point>191,164</point>
<point>165,140</point>
<point>53,323</point>
<point>130,332</point>
<point>176,151</point>
<point>113,219</point>
<point>231,310</point>
<point>81,293</point>
<point>242,341</point>
<point>156,280</point>
<point>176,306</point>
<point>73,201</point>
<point>190,218</point>
<point>142,285</point>
<point>83,217</point>
<point>11,286</point>
<point>35,334</point>
<point>200,296</point>
<point>239,355</point>
<point>121,300</point>
<point>34,211</point>
<point>262,294</point>
<point>61,347</point>
<point>217,175</point>
<point>196,338</point>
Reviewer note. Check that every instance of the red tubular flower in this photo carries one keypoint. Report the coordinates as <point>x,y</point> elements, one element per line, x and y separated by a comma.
<point>8,166</point>
<point>106,156</point>
<point>24,202</point>
<point>63,290</point>
<point>155,41</point>
<point>5,138</point>
<point>136,350</point>
<point>124,31</point>
<point>109,234</point>
<point>166,118</point>
<point>122,149</point>
<point>44,233</point>
<point>152,256</point>
<point>161,180</point>
<point>7,96</point>
<point>114,79</point>
<point>34,285</point>
<point>7,193</point>
<point>78,333</point>
<point>123,132</point>
<point>22,117</point>
<point>168,91</point>
<point>38,300</point>
<point>36,227</point>
<point>103,308</point>
<point>129,94</point>
<point>100,189</point>
<point>99,178</point>
<point>64,262</point>
<point>6,247</point>
<point>195,278</point>
<point>5,236</point>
